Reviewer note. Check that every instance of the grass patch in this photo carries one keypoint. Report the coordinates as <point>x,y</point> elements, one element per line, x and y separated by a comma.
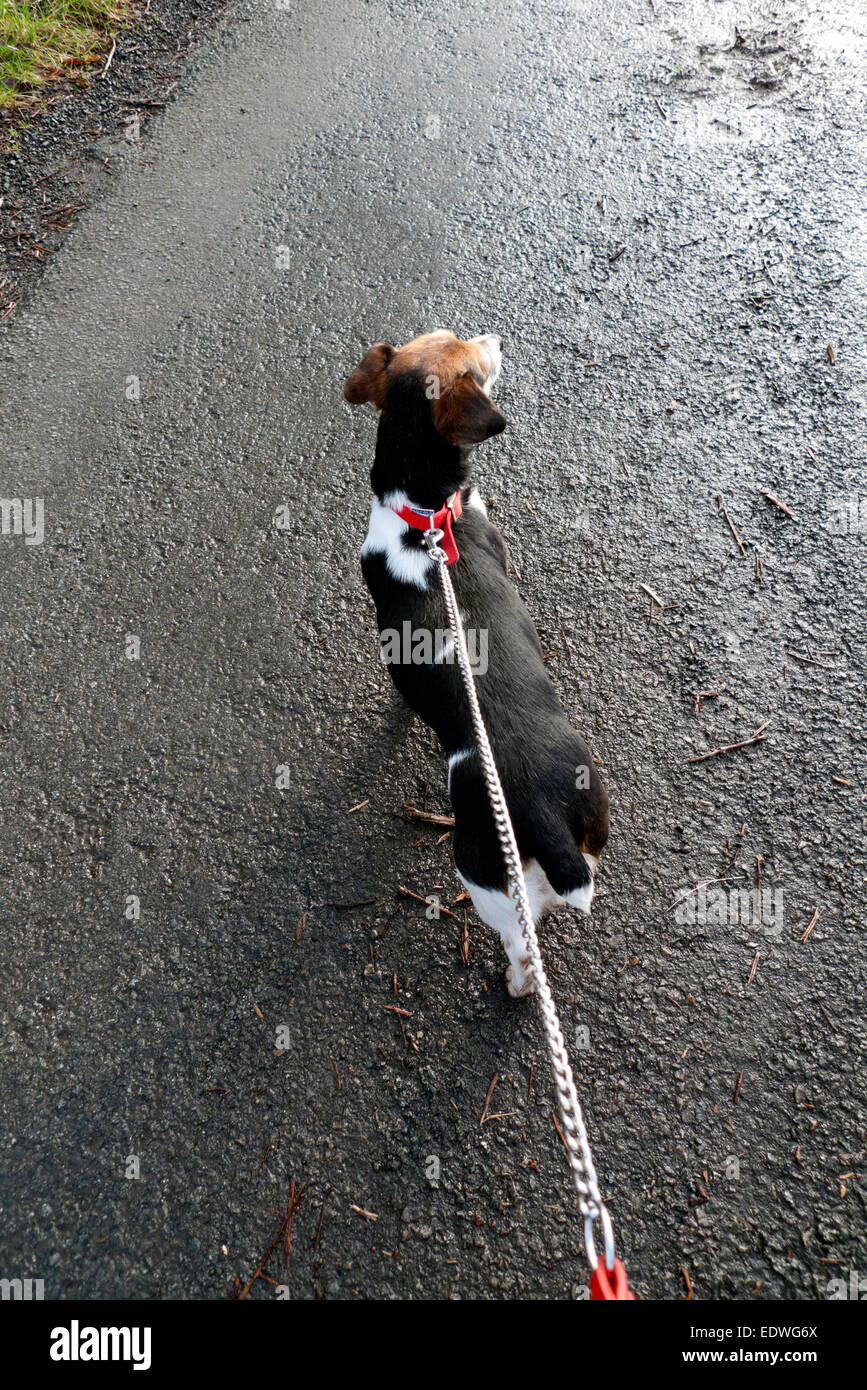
<point>48,41</point>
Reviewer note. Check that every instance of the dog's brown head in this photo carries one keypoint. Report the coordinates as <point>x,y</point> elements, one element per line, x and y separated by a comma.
<point>452,375</point>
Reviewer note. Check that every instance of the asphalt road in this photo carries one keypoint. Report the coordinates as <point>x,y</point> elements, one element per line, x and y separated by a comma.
<point>665,222</point>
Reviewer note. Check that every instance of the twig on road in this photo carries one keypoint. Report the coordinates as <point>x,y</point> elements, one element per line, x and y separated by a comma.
<point>772,497</point>
<point>431,817</point>
<point>813,920</point>
<point>408,893</point>
<point>362,1211</point>
<point>734,529</point>
<point>758,737</point>
<point>494,1080</point>
<point>703,695</point>
<point>647,589</point>
<point>464,945</point>
<point>284,1234</point>
<point>705,882</point>
<point>809,661</point>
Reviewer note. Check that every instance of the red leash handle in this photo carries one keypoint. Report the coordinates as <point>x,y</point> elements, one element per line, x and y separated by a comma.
<point>610,1285</point>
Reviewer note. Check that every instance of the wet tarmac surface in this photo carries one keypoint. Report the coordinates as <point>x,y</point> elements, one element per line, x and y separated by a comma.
<point>661,210</point>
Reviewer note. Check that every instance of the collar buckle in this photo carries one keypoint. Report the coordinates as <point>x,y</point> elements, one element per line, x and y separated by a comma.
<point>437,526</point>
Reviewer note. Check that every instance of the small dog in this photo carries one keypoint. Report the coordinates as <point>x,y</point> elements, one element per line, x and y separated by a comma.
<point>433,399</point>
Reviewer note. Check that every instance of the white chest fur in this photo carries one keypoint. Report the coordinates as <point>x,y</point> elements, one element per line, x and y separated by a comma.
<point>407,564</point>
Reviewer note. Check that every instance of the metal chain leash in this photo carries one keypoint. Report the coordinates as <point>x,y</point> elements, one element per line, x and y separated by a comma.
<point>574,1130</point>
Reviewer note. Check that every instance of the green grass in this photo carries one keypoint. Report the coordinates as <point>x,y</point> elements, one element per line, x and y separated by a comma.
<point>46,41</point>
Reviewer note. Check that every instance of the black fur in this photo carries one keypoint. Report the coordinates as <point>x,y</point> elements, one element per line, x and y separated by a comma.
<point>538,754</point>
<point>411,456</point>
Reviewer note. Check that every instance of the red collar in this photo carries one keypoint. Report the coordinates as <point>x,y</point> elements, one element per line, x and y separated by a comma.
<point>442,520</point>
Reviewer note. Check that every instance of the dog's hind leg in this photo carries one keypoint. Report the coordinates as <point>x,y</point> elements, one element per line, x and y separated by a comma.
<point>479,861</point>
<point>497,911</point>
<point>569,869</point>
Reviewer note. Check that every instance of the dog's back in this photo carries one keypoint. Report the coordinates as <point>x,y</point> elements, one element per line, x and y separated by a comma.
<point>555,796</point>
<point>558,805</point>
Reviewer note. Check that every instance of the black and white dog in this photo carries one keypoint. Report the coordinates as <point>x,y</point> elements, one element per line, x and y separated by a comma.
<point>434,406</point>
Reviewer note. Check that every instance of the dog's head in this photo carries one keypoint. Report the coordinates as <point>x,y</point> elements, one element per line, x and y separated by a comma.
<point>452,375</point>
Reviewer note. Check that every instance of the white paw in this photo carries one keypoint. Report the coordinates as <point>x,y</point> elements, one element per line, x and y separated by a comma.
<point>519,992</point>
<point>581,898</point>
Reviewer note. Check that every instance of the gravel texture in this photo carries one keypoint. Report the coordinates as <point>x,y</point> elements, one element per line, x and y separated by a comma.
<point>664,221</point>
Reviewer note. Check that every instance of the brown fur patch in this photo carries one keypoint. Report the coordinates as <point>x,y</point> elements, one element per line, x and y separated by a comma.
<point>443,356</point>
<point>596,833</point>
<point>453,372</point>
<point>368,381</point>
<point>465,415</point>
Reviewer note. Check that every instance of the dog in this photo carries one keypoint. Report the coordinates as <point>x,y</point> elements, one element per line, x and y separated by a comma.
<point>434,404</point>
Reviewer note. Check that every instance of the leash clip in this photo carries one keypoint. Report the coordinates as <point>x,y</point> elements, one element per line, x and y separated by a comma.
<point>431,542</point>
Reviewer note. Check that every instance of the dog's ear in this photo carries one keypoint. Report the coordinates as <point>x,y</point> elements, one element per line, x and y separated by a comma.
<point>464,415</point>
<point>367,382</point>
